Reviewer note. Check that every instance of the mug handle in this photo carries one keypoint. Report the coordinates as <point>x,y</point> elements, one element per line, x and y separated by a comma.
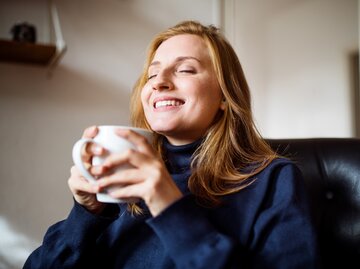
<point>76,155</point>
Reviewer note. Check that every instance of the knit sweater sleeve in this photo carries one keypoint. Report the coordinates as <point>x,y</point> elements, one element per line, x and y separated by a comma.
<point>71,243</point>
<point>277,212</point>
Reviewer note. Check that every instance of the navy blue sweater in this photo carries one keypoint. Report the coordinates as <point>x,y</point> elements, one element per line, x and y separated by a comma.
<point>266,225</point>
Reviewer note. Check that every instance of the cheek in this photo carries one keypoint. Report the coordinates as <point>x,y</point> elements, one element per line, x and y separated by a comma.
<point>211,94</point>
<point>144,96</point>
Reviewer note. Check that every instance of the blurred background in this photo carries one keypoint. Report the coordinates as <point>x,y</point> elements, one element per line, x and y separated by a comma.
<point>301,58</point>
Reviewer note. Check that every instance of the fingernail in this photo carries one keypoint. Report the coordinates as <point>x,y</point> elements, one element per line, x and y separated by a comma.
<point>92,128</point>
<point>98,150</point>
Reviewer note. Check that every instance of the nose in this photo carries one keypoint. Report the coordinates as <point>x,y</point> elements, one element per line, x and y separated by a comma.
<point>162,81</point>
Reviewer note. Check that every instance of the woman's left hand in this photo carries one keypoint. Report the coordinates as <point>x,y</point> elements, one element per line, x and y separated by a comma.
<point>147,178</point>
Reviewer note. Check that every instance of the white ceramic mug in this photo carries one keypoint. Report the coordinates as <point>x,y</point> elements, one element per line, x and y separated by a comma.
<point>108,139</point>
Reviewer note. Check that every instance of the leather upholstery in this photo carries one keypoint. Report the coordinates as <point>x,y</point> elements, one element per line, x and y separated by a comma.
<point>331,169</point>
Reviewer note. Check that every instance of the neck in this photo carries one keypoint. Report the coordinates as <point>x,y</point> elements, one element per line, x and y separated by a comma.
<point>182,140</point>
<point>179,157</point>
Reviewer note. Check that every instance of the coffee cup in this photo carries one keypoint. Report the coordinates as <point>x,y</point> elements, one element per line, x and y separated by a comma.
<point>112,143</point>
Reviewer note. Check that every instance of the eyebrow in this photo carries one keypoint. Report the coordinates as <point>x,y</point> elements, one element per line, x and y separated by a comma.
<point>178,59</point>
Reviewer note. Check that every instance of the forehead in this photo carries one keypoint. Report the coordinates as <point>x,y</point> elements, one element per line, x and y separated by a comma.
<point>182,45</point>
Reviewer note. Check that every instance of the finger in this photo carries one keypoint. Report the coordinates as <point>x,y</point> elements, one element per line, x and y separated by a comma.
<point>137,139</point>
<point>82,186</point>
<point>94,149</point>
<point>131,157</point>
<point>90,132</point>
<point>121,178</point>
<point>76,175</point>
<point>118,159</point>
<point>98,170</point>
<point>78,183</point>
<point>127,192</point>
<point>90,149</point>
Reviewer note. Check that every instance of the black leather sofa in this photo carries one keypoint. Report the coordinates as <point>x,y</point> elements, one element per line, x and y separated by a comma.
<point>331,169</point>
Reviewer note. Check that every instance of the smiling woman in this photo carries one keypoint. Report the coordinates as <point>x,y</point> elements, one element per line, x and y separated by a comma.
<point>212,192</point>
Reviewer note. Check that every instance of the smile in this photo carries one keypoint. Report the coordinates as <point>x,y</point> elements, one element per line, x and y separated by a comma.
<point>167,103</point>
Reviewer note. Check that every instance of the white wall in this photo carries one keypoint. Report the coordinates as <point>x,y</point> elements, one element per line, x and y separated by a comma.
<point>41,117</point>
<point>296,55</point>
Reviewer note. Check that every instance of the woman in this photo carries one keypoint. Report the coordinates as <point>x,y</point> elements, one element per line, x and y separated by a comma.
<point>213,193</point>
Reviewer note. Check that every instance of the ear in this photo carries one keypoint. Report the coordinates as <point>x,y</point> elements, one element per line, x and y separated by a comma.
<point>223,104</point>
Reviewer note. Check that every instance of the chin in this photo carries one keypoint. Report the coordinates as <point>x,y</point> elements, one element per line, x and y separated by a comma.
<point>163,131</point>
<point>162,126</point>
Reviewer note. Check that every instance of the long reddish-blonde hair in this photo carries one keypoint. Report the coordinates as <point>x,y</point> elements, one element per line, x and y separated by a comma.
<point>232,144</point>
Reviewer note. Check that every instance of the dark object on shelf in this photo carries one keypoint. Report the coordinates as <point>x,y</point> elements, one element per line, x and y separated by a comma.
<point>24,32</point>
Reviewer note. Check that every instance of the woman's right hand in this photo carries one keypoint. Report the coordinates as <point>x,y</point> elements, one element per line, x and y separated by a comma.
<point>83,191</point>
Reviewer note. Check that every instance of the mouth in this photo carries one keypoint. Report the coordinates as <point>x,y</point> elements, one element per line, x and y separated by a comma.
<point>168,103</point>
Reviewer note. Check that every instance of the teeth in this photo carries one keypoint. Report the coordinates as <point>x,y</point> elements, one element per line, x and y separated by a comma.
<point>167,103</point>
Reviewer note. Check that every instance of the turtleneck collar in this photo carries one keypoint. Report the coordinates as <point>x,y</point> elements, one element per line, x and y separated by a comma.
<point>178,158</point>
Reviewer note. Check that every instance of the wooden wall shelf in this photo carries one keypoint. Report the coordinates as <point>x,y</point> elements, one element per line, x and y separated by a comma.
<point>20,52</point>
<point>36,53</point>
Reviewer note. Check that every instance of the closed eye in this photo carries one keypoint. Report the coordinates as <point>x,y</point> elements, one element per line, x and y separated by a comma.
<point>151,76</point>
<point>190,71</point>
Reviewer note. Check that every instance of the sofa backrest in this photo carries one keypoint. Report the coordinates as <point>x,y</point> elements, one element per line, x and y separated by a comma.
<point>331,169</point>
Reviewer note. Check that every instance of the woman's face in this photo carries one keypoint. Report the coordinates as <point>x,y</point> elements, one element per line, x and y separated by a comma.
<point>182,96</point>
